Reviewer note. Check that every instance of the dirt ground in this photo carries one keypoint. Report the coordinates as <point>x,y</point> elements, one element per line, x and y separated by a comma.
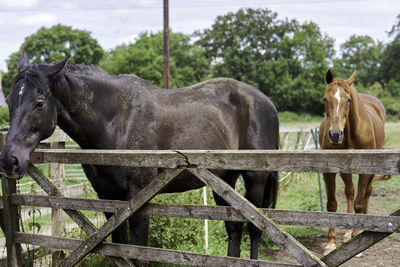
<point>385,253</point>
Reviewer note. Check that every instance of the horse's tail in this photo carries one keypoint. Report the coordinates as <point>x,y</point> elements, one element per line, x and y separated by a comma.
<point>382,178</point>
<point>271,190</point>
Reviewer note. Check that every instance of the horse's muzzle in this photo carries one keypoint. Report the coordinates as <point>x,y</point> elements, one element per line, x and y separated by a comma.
<point>12,166</point>
<point>335,138</point>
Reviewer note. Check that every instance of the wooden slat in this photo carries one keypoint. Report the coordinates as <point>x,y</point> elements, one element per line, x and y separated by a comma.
<point>355,246</point>
<point>345,161</point>
<point>287,217</point>
<point>144,195</point>
<point>76,216</point>
<point>253,215</point>
<point>146,253</point>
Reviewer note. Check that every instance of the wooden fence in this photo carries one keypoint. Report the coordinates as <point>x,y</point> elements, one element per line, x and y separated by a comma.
<point>198,162</point>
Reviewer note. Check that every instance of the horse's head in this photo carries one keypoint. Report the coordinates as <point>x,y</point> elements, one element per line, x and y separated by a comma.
<point>337,101</point>
<point>33,114</point>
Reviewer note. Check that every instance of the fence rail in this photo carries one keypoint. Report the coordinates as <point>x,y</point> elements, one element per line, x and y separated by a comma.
<point>377,161</point>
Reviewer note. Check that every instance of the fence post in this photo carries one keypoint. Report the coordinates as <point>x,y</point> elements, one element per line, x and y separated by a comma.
<point>11,221</point>
<point>58,225</point>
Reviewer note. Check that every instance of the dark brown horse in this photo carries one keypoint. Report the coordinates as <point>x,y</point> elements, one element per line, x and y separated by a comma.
<point>353,121</point>
<point>100,111</point>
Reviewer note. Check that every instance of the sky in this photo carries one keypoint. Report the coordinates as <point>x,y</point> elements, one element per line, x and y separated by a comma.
<point>114,22</point>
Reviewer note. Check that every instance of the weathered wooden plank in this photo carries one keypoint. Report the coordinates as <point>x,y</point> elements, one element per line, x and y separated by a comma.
<point>390,224</point>
<point>147,193</point>
<point>10,212</point>
<point>355,246</point>
<point>377,161</point>
<point>146,253</point>
<point>58,225</point>
<point>76,216</point>
<point>253,214</point>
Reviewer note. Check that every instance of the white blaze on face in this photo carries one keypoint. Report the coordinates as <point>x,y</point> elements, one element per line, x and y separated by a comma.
<point>337,95</point>
<point>21,92</point>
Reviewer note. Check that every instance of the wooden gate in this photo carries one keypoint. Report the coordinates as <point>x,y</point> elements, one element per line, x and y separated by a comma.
<point>198,162</point>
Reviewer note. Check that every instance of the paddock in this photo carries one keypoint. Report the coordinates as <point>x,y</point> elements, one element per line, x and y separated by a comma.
<point>375,227</point>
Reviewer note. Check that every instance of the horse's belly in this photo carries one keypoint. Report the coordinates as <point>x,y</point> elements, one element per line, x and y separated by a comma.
<point>183,182</point>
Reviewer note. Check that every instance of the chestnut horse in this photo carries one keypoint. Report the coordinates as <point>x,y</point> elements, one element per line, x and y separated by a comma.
<point>353,121</point>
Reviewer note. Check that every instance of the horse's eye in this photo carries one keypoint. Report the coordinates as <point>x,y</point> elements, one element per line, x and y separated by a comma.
<point>325,100</point>
<point>348,100</point>
<point>40,104</point>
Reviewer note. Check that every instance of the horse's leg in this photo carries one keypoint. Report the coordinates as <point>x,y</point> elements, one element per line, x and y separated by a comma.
<point>99,177</point>
<point>139,231</point>
<point>255,183</point>
<point>331,206</point>
<point>233,229</point>
<point>349,192</point>
<point>368,195</point>
<point>363,193</point>
<point>120,235</point>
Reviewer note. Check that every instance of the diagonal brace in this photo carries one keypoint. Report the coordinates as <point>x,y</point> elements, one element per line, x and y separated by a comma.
<point>355,246</point>
<point>75,215</point>
<point>140,199</point>
<point>253,215</point>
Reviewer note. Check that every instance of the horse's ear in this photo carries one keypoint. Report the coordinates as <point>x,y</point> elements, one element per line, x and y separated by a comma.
<point>352,78</point>
<point>23,61</point>
<point>329,76</point>
<point>57,67</point>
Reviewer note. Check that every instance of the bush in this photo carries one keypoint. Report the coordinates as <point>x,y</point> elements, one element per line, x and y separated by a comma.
<point>4,116</point>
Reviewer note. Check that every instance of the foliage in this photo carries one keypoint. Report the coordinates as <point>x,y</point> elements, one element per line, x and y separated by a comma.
<point>54,44</point>
<point>144,58</point>
<point>284,59</point>
<point>390,101</point>
<point>363,55</point>
<point>4,116</point>
<point>391,61</point>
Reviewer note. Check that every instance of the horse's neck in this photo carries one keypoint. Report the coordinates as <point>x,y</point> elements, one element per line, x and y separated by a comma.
<point>84,112</point>
<point>358,114</point>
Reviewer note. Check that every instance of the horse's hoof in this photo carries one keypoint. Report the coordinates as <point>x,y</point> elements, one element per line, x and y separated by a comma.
<point>329,248</point>
<point>348,235</point>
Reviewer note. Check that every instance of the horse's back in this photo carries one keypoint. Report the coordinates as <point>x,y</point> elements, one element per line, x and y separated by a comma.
<point>225,113</point>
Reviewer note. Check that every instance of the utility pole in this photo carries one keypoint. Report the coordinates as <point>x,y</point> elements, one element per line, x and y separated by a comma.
<point>167,82</point>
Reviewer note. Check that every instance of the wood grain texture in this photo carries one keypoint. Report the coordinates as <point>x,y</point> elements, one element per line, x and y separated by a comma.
<point>253,214</point>
<point>376,223</point>
<point>147,253</point>
<point>376,161</point>
<point>144,195</point>
<point>76,216</point>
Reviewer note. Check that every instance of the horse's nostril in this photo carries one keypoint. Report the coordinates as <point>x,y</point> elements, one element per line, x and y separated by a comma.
<point>14,161</point>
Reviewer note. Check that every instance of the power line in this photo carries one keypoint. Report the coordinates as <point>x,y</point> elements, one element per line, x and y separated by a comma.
<point>176,4</point>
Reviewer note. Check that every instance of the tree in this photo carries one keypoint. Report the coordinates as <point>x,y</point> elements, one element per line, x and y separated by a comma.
<point>284,59</point>
<point>54,44</point>
<point>363,55</point>
<point>144,58</point>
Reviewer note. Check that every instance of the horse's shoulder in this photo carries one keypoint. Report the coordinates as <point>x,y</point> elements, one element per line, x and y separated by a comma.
<point>373,105</point>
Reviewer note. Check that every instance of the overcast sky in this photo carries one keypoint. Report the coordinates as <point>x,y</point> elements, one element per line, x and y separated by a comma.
<point>116,22</point>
